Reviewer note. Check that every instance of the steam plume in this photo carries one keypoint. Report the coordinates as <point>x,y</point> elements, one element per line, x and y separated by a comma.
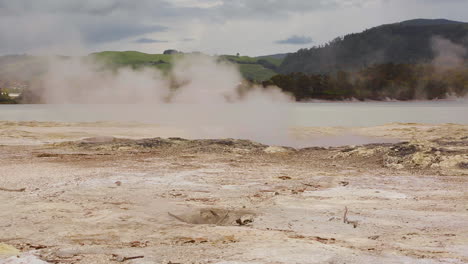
<point>214,104</point>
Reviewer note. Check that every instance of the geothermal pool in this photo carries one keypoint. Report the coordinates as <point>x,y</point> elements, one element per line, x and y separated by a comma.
<point>379,113</point>
<point>263,122</point>
<point>299,114</point>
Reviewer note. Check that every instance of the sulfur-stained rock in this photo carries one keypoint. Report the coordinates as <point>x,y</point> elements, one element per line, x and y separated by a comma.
<point>7,250</point>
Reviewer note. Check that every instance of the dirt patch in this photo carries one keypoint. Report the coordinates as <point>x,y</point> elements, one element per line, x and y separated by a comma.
<point>176,144</point>
<point>213,216</point>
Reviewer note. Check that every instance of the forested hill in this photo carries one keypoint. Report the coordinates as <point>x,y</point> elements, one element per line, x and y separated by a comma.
<point>408,42</point>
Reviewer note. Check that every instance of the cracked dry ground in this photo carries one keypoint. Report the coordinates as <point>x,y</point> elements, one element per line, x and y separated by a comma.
<point>176,201</point>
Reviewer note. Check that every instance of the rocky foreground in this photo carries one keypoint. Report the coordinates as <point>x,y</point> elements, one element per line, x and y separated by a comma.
<point>108,200</point>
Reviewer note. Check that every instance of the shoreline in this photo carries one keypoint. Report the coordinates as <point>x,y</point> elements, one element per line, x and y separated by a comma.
<point>41,132</point>
<point>312,101</point>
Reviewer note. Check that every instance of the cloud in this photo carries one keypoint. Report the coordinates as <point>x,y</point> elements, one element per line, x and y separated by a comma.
<point>281,6</point>
<point>58,25</point>
<point>118,31</point>
<point>296,40</point>
<point>95,24</point>
<point>157,8</point>
<point>187,39</point>
<point>104,24</point>
<point>148,41</point>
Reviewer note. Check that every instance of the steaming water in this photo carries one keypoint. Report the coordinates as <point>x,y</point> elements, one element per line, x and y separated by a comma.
<point>380,113</point>
<point>301,115</point>
<point>268,125</point>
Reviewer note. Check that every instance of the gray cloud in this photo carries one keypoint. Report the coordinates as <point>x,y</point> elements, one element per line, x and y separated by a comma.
<point>148,41</point>
<point>46,23</point>
<point>117,31</point>
<point>50,24</point>
<point>169,8</point>
<point>258,7</point>
<point>296,40</point>
<point>28,25</point>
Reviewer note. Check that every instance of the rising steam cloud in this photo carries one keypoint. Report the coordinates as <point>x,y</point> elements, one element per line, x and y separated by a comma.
<point>201,96</point>
<point>199,79</point>
<point>447,54</point>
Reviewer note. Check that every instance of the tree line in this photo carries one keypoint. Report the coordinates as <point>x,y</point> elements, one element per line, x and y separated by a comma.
<point>377,82</point>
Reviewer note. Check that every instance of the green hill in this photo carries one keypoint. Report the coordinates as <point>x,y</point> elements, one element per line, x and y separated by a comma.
<point>255,68</point>
<point>252,68</point>
<point>405,42</point>
<point>134,59</point>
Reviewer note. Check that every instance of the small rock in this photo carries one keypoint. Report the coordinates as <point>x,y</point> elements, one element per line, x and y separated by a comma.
<point>245,220</point>
<point>344,183</point>
<point>275,149</point>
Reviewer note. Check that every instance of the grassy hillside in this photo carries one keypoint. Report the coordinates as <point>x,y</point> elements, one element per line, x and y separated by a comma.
<point>406,42</point>
<point>279,56</point>
<point>134,59</point>
<point>256,72</point>
<point>255,69</point>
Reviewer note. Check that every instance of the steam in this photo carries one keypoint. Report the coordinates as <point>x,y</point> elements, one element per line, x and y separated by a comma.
<point>76,81</point>
<point>194,79</point>
<point>200,96</point>
<point>447,54</point>
<point>204,80</point>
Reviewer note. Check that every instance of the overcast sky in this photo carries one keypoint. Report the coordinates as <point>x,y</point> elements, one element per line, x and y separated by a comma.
<point>250,27</point>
